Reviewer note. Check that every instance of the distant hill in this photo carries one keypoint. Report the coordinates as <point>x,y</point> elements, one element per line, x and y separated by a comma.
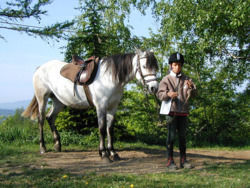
<point>7,109</point>
<point>4,112</point>
<point>14,105</point>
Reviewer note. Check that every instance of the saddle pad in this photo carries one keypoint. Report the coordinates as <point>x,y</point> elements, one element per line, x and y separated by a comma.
<point>70,71</point>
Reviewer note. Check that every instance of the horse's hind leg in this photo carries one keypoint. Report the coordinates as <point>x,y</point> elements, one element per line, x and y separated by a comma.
<point>56,107</point>
<point>42,101</point>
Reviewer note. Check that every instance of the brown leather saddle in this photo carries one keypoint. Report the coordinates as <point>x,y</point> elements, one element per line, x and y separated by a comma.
<point>81,72</point>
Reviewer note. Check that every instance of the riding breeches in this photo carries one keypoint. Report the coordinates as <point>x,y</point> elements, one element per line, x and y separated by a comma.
<point>178,124</point>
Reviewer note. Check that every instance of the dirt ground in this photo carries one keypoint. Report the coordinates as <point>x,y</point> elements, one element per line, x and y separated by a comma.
<point>135,161</point>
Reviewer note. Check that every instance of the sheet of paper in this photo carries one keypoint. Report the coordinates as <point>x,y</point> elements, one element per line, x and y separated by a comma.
<point>165,107</point>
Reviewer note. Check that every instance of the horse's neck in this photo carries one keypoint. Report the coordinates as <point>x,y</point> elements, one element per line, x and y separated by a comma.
<point>132,74</point>
<point>134,62</point>
<point>106,76</point>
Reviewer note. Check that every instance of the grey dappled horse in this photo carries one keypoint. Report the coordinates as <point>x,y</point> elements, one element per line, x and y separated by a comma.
<point>106,90</point>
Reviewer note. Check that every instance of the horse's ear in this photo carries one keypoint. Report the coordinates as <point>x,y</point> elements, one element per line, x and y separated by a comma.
<point>138,51</point>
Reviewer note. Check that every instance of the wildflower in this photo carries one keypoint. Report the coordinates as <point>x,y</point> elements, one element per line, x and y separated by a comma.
<point>65,176</point>
<point>132,186</point>
<point>86,183</point>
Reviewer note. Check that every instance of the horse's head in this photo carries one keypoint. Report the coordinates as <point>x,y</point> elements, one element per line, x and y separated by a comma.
<point>146,68</point>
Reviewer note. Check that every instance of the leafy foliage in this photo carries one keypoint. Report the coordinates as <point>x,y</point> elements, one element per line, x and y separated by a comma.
<point>212,35</point>
<point>81,121</point>
<point>95,35</point>
<point>139,122</point>
<point>99,32</point>
<point>14,13</point>
<point>16,128</point>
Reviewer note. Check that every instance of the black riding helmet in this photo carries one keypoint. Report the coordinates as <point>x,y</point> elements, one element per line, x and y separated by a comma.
<point>176,57</point>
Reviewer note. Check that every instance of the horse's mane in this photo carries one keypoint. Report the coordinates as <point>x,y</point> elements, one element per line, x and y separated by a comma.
<point>121,65</point>
<point>152,63</point>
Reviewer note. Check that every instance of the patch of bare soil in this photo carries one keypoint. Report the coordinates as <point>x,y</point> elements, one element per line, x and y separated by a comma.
<point>135,161</point>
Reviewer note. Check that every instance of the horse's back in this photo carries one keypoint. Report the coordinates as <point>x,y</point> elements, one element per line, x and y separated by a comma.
<point>44,73</point>
<point>47,70</point>
<point>51,65</point>
<point>48,77</point>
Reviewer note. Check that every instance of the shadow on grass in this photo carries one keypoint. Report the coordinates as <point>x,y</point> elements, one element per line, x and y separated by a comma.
<point>177,154</point>
<point>242,166</point>
<point>141,160</point>
<point>61,178</point>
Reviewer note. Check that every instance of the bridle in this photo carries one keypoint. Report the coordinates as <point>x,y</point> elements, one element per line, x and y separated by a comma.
<point>138,68</point>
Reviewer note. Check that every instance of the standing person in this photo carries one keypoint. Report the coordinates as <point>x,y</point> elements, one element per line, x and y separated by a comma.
<point>177,87</point>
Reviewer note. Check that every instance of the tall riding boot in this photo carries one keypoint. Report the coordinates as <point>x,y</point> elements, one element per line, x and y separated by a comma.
<point>184,163</point>
<point>171,165</point>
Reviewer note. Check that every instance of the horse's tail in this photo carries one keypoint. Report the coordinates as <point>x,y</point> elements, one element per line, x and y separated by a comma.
<point>32,110</point>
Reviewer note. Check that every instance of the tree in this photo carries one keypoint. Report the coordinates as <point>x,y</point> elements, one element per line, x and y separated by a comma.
<point>13,13</point>
<point>95,34</point>
<point>213,35</point>
<point>88,36</point>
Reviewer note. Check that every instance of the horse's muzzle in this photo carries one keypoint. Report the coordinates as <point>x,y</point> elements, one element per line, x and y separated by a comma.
<point>153,89</point>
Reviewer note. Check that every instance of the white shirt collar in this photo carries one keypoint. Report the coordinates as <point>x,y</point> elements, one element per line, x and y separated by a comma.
<point>175,75</point>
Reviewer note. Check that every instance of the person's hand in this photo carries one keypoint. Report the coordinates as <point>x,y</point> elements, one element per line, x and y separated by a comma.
<point>172,94</point>
<point>190,84</point>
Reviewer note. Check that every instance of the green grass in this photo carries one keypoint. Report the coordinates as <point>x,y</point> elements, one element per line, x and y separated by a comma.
<point>223,148</point>
<point>19,150</point>
<point>222,176</point>
<point>16,160</point>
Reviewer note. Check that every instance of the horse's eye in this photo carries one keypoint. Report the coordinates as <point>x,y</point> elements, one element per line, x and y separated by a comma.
<point>144,66</point>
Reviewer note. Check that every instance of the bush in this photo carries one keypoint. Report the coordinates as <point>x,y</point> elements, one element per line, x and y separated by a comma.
<point>80,121</point>
<point>71,137</point>
<point>137,119</point>
<point>21,130</point>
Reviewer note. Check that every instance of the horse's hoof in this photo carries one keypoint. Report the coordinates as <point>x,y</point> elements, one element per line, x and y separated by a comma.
<point>106,160</point>
<point>115,157</point>
<point>42,150</point>
<point>57,148</point>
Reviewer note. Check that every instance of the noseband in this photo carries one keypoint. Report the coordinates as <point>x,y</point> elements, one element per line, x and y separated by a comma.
<point>138,68</point>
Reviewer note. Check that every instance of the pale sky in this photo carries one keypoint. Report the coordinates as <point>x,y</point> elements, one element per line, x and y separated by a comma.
<point>20,54</point>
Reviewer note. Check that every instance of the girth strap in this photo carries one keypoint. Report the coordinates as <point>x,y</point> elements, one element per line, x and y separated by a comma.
<point>88,95</point>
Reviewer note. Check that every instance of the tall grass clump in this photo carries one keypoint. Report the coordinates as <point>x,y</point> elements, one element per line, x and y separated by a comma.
<point>18,130</point>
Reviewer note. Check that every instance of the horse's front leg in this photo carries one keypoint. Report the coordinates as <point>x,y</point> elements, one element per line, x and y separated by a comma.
<point>110,135</point>
<point>101,115</point>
